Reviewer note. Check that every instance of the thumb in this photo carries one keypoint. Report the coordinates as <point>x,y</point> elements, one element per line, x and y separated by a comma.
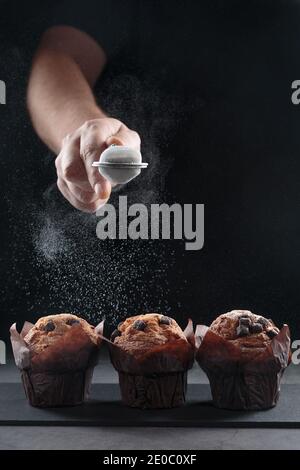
<point>115,140</point>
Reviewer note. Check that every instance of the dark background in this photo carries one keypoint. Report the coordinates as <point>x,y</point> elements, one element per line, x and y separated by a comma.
<point>228,138</point>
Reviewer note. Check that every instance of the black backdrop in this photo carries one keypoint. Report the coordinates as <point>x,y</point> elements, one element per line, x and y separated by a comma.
<point>251,255</point>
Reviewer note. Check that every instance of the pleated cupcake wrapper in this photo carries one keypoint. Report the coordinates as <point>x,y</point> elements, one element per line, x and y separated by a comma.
<point>48,389</point>
<point>157,379</point>
<point>171,357</point>
<point>150,392</point>
<point>243,380</point>
<point>60,375</point>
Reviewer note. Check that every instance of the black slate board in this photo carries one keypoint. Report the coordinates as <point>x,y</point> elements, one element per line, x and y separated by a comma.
<point>105,409</point>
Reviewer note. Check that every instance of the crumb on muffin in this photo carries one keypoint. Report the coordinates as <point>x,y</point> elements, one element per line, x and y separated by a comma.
<point>48,330</point>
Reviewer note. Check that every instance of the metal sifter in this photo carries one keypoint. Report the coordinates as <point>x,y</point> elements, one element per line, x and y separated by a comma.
<point>119,164</point>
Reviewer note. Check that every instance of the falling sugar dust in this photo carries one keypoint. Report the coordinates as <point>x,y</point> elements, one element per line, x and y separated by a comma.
<point>94,277</point>
<point>115,278</point>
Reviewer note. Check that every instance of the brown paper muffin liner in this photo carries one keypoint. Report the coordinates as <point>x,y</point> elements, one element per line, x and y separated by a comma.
<point>248,380</point>
<point>62,374</point>
<point>157,379</point>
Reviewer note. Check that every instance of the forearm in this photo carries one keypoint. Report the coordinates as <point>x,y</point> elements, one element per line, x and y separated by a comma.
<point>60,99</point>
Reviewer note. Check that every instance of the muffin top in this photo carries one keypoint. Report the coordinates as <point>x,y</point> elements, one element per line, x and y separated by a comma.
<point>142,332</point>
<point>48,330</point>
<point>245,328</point>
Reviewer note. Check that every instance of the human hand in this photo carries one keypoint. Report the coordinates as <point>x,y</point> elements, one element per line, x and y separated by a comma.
<point>79,182</point>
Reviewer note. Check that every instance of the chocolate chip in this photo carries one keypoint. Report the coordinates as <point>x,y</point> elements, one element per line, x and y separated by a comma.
<point>139,325</point>
<point>165,320</point>
<point>72,322</point>
<point>256,328</point>
<point>49,327</point>
<point>245,321</point>
<point>115,334</point>
<point>242,330</point>
<point>263,321</point>
<point>272,333</point>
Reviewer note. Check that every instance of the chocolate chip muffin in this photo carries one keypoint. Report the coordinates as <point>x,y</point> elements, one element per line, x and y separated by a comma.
<point>140,334</point>
<point>244,356</point>
<point>48,330</point>
<point>62,351</point>
<point>245,329</point>
<point>152,355</point>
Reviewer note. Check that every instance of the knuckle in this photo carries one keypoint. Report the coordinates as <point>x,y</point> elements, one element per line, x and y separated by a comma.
<point>91,125</point>
<point>67,138</point>
<point>67,172</point>
<point>88,150</point>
